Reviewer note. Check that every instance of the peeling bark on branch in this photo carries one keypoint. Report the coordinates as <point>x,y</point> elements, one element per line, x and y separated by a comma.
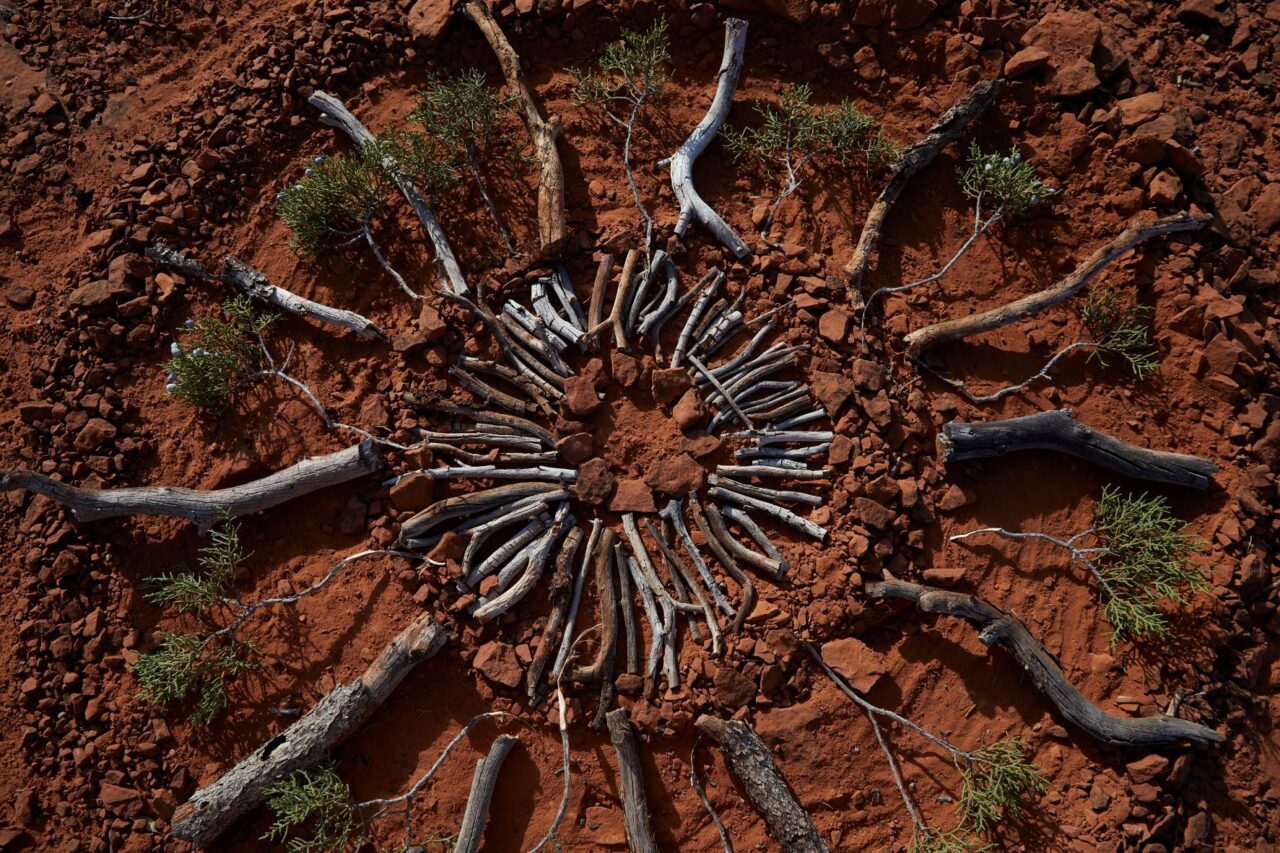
<point>1138,231</point>
<point>544,132</point>
<point>921,154</point>
<point>203,507</point>
<point>635,806</point>
<point>213,809</point>
<point>764,785</point>
<point>335,114</point>
<point>998,627</point>
<point>482,785</point>
<point>248,280</point>
<point>1058,430</point>
<point>691,204</point>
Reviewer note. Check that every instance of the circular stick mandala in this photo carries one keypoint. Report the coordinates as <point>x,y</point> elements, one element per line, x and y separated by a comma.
<point>554,508</point>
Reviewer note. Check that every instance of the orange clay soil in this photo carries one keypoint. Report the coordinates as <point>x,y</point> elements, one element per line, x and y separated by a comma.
<point>181,127</point>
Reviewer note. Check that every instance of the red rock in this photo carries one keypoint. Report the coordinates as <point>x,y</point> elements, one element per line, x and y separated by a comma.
<point>699,446</point>
<point>580,395</point>
<point>605,826</point>
<point>114,796</point>
<point>450,547</point>
<point>690,411</point>
<point>834,325</point>
<point>733,689</point>
<point>36,410</point>
<point>944,576</point>
<point>19,295</point>
<point>832,390</point>
<point>432,324</point>
<point>632,496</point>
<point>575,448</point>
<point>1069,38</point>
<point>1147,768</point>
<point>497,662</point>
<point>909,14</point>
<point>413,491</point>
<point>676,475</point>
<point>1140,109</point>
<point>595,482</point>
<point>955,497</point>
<point>1265,210</point>
<point>94,434</point>
<point>624,369</point>
<point>1206,13</point>
<point>668,384</point>
<point>97,294</point>
<point>856,662</point>
<point>427,19</point>
<point>867,374</point>
<point>1025,61</point>
<point>1165,189</point>
<point>873,513</point>
<point>44,104</point>
<point>795,11</point>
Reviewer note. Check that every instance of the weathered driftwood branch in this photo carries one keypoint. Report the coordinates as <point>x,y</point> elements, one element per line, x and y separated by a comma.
<point>921,154</point>
<point>635,806</point>
<point>482,785</point>
<point>691,204</point>
<point>544,132</point>
<point>1138,231</point>
<point>204,507</point>
<point>752,763</point>
<point>250,281</point>
<point>999,627</point>
<point>213,809</point>
<point>1058,430</point>
<point>335,114</point>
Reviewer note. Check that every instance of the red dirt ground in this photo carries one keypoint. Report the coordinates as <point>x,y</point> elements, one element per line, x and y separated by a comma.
<point>212,99</point>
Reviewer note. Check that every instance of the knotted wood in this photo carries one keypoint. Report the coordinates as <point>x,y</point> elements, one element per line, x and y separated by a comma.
<point>921,154</point>
<point>212,809</point>
<point>1139,231</point>
<point>544,132</point>
<point>752,763</point>
<point>997,627</point>
<point>1058,430</point>
<point>635,806</point>
<point>204,507</point>
<point>482,785</point>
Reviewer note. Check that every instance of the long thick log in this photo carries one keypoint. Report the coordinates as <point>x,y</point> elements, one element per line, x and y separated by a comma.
<point>482,785</point>
<point>544,132</point>
<point>921,154</point>
<point>752,763</point>
<point>1138,231</point>
<point>250,281</point>
<point>204,507</point>
<point>1059,431</point>
<point>213,809</point>
<point>691,204</point>
<point>635,806</point>
<point>999,627</point>
<point>334,113</point>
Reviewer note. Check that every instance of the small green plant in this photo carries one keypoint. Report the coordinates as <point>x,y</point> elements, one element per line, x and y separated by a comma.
<point>217,354</point>
<point>1141,560</point>
<point>1001,186</point>
<point>956,841</point>
<point>201,589</point>
<point>191,667</point>
<point>466,117</point>
<point>1146,562</point>
<point>796,132</point>
<point>338,199</point>
<point>996,782</point>
<point>314,812</point>
<point>630,73</point>
<point>1117,326</point>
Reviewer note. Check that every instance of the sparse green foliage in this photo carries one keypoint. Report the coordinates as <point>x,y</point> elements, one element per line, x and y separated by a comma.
<point>1117,325</point>
<point>1146,561</point>
<point>336,198</point>
<point>461,118</point>
<point>630,71</point>
<point>197,591</point>
<point>1006,182</point>
<point>796,132</point>
<point>188,666</point>
<point>217,354</point>
<point>419,158</point>
<point>996,782</point>
<point>316,802</point>
<point>955,841</point>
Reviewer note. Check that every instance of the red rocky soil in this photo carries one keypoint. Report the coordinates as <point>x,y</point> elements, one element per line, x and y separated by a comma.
<point>182,126</point>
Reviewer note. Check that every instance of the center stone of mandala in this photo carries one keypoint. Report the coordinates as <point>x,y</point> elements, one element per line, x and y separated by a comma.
<point>637,456</point>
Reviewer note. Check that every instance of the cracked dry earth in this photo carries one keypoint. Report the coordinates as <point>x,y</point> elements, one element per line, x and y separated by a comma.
<point>180,126</point>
